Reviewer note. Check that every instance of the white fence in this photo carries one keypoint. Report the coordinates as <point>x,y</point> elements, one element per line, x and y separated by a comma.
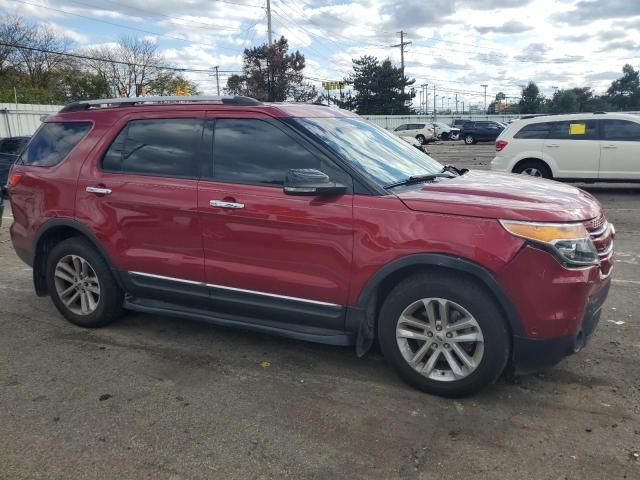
<point>392,121</point>
<point>22,118</point>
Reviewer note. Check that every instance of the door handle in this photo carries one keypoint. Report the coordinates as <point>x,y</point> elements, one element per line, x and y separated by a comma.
<point>609,146</point>
<point>553,145</point>
<point>99,190</point>
<point>223,204</point>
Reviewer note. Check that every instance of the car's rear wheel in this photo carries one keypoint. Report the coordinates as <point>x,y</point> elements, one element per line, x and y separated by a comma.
<point>470,139</point>
<point>444,136</point>
<point>533,168</point>
<point>422,139</point>
<point>444,334</point>
<point>81,284</point>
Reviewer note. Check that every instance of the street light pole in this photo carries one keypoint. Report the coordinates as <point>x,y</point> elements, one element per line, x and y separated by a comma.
<point>485,96</point>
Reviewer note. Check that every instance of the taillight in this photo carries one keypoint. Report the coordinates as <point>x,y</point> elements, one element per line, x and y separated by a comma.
<point>14,179</point>
<point>500,144</point>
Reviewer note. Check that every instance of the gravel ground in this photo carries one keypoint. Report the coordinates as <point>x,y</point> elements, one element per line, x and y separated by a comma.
<point>155,397</point>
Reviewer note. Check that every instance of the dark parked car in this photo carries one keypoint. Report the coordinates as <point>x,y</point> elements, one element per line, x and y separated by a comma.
<point>312,223</point>
<point>481,131</point>
<point>10,148</point>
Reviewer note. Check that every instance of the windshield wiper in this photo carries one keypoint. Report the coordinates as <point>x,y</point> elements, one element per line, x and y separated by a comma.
<point>457,171</point>
<point>420,178</point>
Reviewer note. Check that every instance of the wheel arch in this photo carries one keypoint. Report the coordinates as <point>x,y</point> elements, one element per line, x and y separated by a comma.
<point>364,316</point>
<point>48,236</point>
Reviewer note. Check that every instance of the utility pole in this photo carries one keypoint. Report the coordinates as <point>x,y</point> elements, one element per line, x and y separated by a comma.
<point>425,97</point>
<point>435,97</point>
<point>401,45</point>
<point>462,107</point>
<point>269,21</point>
<point>485,96</point>
<point>217,79</point>
<point>456,103</point>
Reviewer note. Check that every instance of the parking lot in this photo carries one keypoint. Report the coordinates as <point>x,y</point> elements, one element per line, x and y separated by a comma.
<point>158,397</point>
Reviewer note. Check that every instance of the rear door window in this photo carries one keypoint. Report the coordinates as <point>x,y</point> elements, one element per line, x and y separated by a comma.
<point>12,146</point>
<point>620,130</point>
<point>400,128</point>
<point>574,130</point>
<point>52,143</point>
<point>160,147</point>
<point>534,131</point>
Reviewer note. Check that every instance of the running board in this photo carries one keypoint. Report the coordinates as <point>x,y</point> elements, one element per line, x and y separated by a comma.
<point>297,332</point>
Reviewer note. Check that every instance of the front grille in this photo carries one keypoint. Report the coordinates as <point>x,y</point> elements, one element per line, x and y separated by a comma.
<point>601,233</point>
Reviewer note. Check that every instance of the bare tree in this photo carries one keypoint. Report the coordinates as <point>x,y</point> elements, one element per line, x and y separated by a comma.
<point>42,61</point>
<point>13,31</point>
<point>133,77</point>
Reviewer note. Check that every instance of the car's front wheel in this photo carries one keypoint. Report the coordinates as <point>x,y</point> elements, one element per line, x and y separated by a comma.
<point>81,284</point>
<point>444,334</point>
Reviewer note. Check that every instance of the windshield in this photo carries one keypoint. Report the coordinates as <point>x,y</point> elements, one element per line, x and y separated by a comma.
<point>373,150</point>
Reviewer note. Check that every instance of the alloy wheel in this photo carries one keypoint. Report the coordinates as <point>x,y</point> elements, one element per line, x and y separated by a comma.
<point>440,339</point>
<point>77,284</point>
<point>532,171</point>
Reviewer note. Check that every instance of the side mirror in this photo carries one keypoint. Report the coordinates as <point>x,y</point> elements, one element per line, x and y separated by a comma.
<point>307,181</point>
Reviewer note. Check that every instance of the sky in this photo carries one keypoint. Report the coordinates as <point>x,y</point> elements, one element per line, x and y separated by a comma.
<point>456,45</point>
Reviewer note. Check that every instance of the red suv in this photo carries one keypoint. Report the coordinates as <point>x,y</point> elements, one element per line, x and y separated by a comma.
<point>311,223</point>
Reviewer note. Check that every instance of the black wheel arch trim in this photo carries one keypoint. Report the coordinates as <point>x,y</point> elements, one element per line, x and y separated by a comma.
<point>362,318</point>
<point>80,228</point>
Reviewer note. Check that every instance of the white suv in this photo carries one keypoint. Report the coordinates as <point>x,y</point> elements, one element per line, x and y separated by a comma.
<point>423,132</point>
<point>586,146</point>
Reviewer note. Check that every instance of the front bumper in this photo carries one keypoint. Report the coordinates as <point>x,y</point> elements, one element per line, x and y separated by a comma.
<point>533,355</point>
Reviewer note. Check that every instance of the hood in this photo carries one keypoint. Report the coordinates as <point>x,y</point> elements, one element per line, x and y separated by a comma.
<point>503,195</point>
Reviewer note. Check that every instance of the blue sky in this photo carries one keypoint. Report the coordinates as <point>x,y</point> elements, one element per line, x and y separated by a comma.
<point>456,44</point>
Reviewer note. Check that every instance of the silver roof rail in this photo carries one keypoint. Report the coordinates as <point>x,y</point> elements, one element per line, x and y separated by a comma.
<point>159,100</point>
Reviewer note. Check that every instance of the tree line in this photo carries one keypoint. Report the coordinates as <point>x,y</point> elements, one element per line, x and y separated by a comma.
<point>622,95</point>
<point>40,65</point>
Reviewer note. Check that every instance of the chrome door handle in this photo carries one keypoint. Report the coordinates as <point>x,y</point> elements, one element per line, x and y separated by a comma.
<point>553,145</point>
<point>222,204</point>
<point>609,146</point>
<point>99,190</point>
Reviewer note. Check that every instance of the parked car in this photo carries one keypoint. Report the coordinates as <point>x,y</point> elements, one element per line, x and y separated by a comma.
<point>480,131</point>
<point>423,132</point>
<point>586,146</point>
<point>445,132</point>
<point>458,122</point>
<point>10,148</point>
<point>311,223</point>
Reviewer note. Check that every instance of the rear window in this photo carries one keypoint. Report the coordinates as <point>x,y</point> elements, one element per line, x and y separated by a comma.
<point>534,131</point>
<point>574,130</point>
<point>53,142</point>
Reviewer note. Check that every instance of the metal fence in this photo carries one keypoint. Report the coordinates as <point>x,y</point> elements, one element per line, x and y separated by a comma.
<point>22,118</point>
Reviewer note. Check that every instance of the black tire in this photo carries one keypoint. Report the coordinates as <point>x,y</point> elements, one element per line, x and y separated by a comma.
<point>444,136</point>
<point>470,140</point>
<point>421,139</point>
<point>474,298</point>
<point>538,165</point>
<point>109,305</point>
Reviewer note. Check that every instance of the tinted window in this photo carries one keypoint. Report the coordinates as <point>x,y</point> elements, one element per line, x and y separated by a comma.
<point>418,126</point>
<point>167,147</point>
<point>622,130</point>
<point>468,125</point>
<point>52,143</point>
<point>256,152</point>
<point>401,127</point>
<point>574,130</point>
<point>534,131</point>
<point>12,146</point>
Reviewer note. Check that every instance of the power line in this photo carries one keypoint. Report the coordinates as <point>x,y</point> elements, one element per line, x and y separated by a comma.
<point>122,26</point>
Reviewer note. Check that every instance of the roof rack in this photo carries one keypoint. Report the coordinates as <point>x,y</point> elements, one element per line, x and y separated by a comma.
<point>131,101</point>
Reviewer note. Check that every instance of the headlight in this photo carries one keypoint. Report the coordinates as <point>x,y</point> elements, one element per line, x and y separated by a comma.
<point>569,242</point>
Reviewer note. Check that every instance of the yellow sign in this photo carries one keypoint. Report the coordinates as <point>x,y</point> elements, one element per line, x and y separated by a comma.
<point>577,128</point>
<point>333,85</point>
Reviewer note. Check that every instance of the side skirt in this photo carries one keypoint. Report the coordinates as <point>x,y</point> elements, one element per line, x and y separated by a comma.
<point>289,330</point>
